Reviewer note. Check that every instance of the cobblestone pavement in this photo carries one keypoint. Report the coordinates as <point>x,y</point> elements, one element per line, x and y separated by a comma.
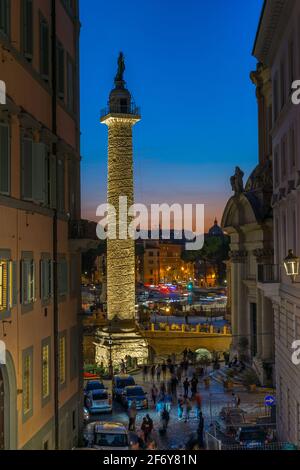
<point>178,433</point>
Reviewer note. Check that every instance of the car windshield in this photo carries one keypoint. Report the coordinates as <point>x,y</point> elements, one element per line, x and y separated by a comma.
<point>100,396</point>
<point>94,386</point>
<point>122,383</point>
<point>252,436</point>
<point>136,391</point>
<point>111,440</point>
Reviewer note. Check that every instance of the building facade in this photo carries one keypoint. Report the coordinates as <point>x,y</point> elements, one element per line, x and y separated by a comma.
<point>277,46</point>
<point>248,220</point>
<point>39,194</point>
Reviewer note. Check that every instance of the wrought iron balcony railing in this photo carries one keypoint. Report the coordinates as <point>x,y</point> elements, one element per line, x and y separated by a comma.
<point>268,273</point>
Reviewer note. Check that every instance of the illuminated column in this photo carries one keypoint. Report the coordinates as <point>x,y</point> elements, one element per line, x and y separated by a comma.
<point>120,117</point>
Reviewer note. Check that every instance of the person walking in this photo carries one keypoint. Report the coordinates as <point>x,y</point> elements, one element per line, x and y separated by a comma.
<point>200,430</point>
<point>180,407</point>
<point>188,409</point>
<point>146,428</point>
<point>152,371</point>
<point>145,373</point>
<point>194,385</point>
<point>174,383</point>
<point>154,394</point>
<point>179,373</point>
<point>164,370</point>
<point>132,412</point>
<point>165,418</point>
<point>198,399</point>
<point>186,386</point>
<point>158,372</point>
<point>162,390</point>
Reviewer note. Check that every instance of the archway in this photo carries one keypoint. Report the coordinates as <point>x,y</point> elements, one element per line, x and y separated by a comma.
<point>8,405</point>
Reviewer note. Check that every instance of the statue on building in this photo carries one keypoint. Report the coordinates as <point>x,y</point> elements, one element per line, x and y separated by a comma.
<point>121,68</point>
<point>236,181</point>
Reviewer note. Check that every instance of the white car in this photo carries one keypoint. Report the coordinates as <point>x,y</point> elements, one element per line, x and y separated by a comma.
<point>106,436</point>
<point>98,401</point>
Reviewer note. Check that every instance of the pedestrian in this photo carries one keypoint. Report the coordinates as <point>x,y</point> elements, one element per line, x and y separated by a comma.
<point>158,372</point>
<point>145,373</point>
<point>165,418</point>
<point>194,385</point>
<point>179,373</point>
<point>164,370</point>
<point>154,394</point>
<point>188,409</point>
<point>152,372</point>
<point>200,430</point>
<point>237,401</point>
<point>198,399</point>
<point>145,428</point>
<point>186,385</point>
<point>180,407</point>
<point>162,390</point>
<point>123,367</point>
<point>174,383</point>
<point>132,412</point>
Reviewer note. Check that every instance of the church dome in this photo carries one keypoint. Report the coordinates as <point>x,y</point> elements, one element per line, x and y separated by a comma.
<point>215,230</point>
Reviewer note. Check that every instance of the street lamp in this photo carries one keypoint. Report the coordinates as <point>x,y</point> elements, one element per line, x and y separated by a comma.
<point>291,265</point>
<point>111,369</point>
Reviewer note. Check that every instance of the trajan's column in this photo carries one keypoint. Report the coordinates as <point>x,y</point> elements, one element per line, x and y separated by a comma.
<point>120,117</point>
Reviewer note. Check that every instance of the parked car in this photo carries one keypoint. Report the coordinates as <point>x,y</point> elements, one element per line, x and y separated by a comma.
<point>137,394</point>
<point>106,436</point>
<point>119,384</point>
<point>98,401</point>
<point>93,385</point>
<point>251,437</point>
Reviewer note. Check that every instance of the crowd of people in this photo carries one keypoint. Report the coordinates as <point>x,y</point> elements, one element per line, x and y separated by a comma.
<point>172,386</point>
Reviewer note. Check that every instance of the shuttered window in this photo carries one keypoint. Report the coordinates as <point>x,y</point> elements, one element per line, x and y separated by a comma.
<point>4,289</point>
<point>27,394</point>
<point>8,285</point>
<point>62,276</point>
<point>61,185</point>
<point>46,279</point>
<point>60,71</point>
<point>34,171</point>
<point>5,17</point>
<point>4,158</point>
<point>27,29</point>
<point>62,359</point>
<point>27,281</point>
<point>44,49</point>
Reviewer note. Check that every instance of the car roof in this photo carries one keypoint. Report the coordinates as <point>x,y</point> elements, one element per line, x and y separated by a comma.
<point>131,387</point>
<point>109,427</point>
<point>123,376</point>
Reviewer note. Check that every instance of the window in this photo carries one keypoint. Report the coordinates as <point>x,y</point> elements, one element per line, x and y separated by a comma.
<point>27,29</point>
<point>74,366</point>
<point>34,171</point>
<point>5,17</point>
<point>60,71</point>
<point>71,84</point>
<point>4,158</point>
<point>45,370</point>
<point>44,49</point>
<point>46,277</point>
<point>62,359</point>
<point>27,281</point>
<point>8,285</point>
<point>27,383</point>
<point>62,276</point>
<point>61,185</point>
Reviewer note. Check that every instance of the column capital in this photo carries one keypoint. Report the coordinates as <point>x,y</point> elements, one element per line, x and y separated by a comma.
<point>238,256</point>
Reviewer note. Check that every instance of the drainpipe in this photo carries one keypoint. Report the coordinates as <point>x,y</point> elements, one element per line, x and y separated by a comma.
<point>54,233</point>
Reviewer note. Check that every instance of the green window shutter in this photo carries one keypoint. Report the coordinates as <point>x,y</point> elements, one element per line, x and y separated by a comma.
<point>39,172</point>
<point>44,49</point>
<point>27,161</point>
<point>5,16</point>
<point>14,267</point>
<point>24,282</point>
<point>27,13</point>
<point>4,159</point>
<point>42,278</point>
<point>61,185</point>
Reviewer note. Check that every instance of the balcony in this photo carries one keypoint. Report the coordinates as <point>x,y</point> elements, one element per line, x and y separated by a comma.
<point>268,273</point>
<point>120,108</point>
<point>268,280</point>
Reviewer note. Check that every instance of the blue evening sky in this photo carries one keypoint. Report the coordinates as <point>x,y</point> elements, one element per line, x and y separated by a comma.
<point>187,66</point>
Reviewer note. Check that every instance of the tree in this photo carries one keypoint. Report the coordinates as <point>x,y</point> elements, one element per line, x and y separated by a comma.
<point>89,258</point>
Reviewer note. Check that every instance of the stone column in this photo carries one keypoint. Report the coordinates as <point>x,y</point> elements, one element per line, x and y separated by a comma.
<point>234,302</point>
<point>239,307</point>
<point>259,323</point>
<point>268,329</point>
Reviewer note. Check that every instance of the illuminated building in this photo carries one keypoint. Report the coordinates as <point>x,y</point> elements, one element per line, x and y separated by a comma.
<point>40,387</point>
<point>120,116</point>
